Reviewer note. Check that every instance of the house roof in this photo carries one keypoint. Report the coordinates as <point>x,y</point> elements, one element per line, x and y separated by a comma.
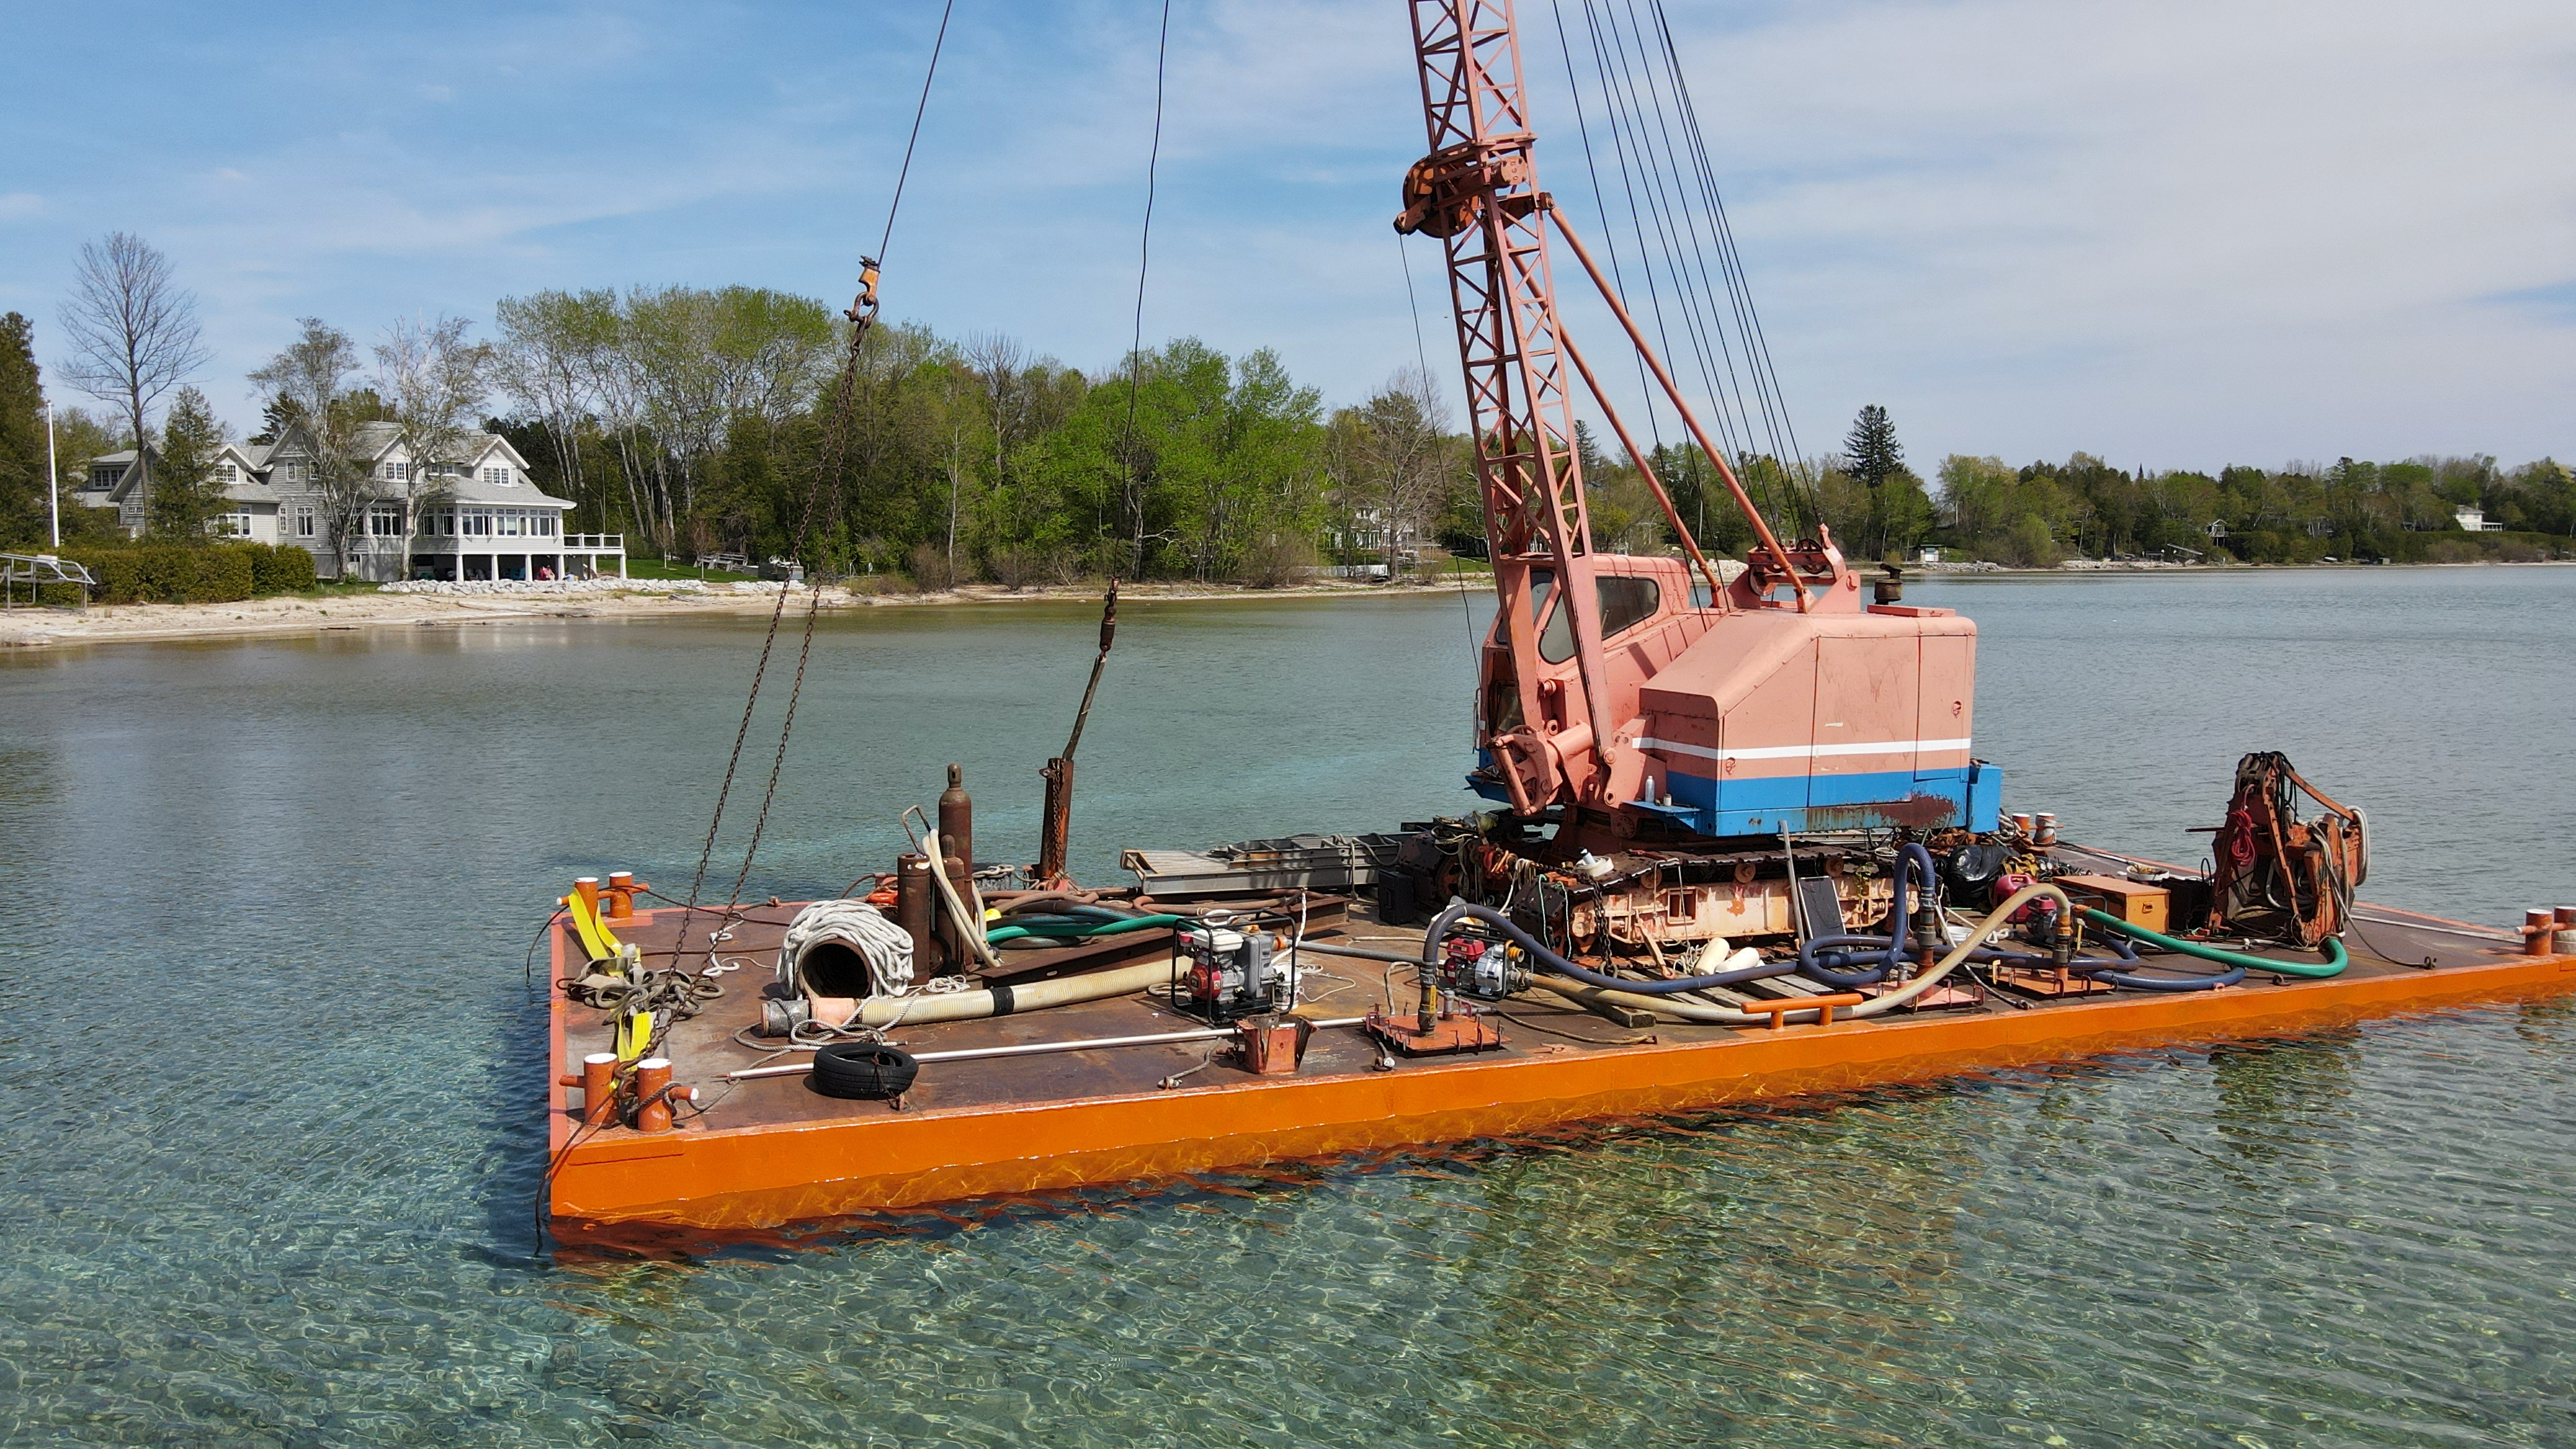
<point>257,462</point>
<point>472,489</point>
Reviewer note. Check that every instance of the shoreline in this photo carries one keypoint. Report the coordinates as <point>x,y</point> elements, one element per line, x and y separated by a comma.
<point>293,616</point>
<point>299,616</point>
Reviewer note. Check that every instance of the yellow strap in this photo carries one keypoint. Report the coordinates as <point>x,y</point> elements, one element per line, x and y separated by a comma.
<point>634,1034</point>
<point>596,938</point>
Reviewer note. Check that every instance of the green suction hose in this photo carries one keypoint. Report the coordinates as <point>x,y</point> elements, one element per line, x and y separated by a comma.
<point>2333,952</point>
<point>1069,931</point>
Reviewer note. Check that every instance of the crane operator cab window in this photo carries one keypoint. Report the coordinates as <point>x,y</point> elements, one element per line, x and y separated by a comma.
<point>1625,603</point>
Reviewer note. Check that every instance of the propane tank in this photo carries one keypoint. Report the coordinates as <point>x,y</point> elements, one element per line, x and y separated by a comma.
<point>957,845</point>
<point>916,906</point>
<point>957,819</point>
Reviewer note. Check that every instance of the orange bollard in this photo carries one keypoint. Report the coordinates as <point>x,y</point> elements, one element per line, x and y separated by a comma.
<point>598,1083</point>
<point>2562,941</point>
<point>622,886</point>
<point>652,1094</point>
<point>587,887</point>
<point>2538,926</point>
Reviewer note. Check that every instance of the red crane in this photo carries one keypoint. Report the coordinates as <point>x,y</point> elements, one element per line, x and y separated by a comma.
<point>1605,687</point>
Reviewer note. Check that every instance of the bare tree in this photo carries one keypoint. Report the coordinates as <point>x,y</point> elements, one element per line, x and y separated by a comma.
<point>546,362</point>
<point>1392,454</point>
<point>1001,365</point>
<point>436,382</point>
<point>311,376</point>
<point>133,331</point>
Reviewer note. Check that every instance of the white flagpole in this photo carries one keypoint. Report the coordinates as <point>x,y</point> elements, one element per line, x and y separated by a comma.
<point>53,478</point>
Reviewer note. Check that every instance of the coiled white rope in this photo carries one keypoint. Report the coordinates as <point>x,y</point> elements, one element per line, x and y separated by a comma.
<point>880,942</point>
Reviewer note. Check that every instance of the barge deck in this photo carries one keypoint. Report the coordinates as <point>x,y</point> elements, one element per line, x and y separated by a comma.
<point>772,1151</point>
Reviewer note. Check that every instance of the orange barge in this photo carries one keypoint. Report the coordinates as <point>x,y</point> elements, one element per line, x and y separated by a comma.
<point>768,1152</point>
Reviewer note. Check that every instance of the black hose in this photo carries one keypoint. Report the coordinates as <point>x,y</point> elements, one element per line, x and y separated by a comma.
<point>1460,910</point>
<point>2112,972</point>
<point>2169,983</point>
<point>1891,947</point>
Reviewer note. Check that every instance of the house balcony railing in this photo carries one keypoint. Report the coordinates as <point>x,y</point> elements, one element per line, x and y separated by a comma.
<point>596,542</point>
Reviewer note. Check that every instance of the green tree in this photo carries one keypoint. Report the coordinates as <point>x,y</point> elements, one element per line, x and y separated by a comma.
<point>1874,459</point>
<point>25,484</point>
<point>313,375</point>
<point>185,494</point>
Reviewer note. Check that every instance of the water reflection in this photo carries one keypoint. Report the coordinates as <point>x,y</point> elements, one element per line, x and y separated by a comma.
<point>322,859</point>
<point>2273,1096</point>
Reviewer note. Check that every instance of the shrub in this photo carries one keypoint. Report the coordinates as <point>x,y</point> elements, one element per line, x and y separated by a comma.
<point>1015,568</point>
<point>930,571</point>
<point>167,573</point>
<point>280,569</point>
<point>1277,563</point>
<point>170,573</point>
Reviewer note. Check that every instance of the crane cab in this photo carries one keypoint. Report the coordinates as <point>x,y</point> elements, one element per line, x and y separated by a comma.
<point>1741,716</point>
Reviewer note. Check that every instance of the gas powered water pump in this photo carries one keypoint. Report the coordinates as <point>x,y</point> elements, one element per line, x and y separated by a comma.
<point>1227,968</point>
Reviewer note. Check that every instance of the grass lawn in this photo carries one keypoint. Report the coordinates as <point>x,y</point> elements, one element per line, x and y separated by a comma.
<point>654,568</point>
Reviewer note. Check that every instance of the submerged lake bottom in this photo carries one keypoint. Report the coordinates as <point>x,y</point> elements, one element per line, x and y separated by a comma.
<point>273,1146</point>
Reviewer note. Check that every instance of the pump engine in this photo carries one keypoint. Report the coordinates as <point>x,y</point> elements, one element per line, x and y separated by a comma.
<point>1234,973</point>
<point>1485,970</point>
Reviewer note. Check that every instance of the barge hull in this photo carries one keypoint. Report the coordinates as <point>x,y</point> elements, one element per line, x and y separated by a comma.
<point>868,1157</point>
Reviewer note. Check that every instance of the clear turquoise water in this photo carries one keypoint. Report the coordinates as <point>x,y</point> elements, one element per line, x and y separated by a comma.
<point>267,1077</point>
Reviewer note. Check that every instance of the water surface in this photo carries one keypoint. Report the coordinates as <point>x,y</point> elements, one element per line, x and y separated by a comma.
<point>269,1154</point>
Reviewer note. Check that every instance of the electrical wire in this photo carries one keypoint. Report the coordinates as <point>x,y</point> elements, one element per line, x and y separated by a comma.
<point>1676,216</point>
<point>937,43</point>
<point>825,481</point>
<point>1145,239</point>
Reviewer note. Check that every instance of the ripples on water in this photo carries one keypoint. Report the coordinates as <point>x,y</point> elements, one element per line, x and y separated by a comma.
<point>267,1164</point>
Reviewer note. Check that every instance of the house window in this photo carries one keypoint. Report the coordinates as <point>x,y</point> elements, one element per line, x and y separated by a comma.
<point>398,472</point>
<point>234,524</point>
<point>546,524</point>
<point>478,522</point>
<point>103,477</point>
<point>511,523</point>
<point>295,473</point>
<point>447,522</point>
<point>499,477</point>
<point>304,521</point>
<point>383,522</point>
<point>227,473</point>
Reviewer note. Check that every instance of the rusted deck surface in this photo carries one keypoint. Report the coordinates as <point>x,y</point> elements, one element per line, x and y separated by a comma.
<point>773,1150</point>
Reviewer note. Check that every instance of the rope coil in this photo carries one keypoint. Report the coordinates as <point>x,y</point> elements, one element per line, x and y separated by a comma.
<point>881,943</point>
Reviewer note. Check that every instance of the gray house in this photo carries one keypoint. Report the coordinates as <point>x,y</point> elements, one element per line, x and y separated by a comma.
<point>478,520</point>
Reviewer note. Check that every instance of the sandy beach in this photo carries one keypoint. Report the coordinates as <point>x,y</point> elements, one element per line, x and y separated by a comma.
<point>288,615</point>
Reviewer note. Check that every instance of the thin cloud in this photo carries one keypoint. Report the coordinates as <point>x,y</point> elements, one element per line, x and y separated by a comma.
<point>2175,231</point>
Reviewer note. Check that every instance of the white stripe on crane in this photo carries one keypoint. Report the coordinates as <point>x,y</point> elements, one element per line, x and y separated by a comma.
<point>1803,752</point>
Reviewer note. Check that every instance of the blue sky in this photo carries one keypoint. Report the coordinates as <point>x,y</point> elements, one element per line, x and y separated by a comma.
<point>2175,232</point>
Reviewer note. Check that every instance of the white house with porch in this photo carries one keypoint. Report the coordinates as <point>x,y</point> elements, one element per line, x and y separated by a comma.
<point>482,519</point>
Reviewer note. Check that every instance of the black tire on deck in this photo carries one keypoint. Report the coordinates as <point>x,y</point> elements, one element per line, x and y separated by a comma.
<point>869,1071</point>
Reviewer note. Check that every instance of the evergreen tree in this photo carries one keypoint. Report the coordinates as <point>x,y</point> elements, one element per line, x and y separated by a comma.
<point>185,495</point>
<point>24,486</point>
<point>1871,454</point>
<point>275,416</point>
<point>1872,457</point>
